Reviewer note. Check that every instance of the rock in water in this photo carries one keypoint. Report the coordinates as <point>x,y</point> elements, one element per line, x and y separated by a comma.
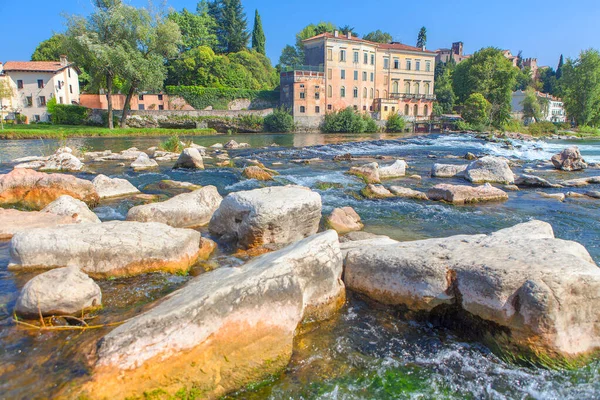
<point>254,172</point>
<point>35,190</point>
<point>344,220</point>
<point>187,210</point>
<point>278,214</point>
<point>396,170</point>
<point>408,193</point>
<point>369,172</point>
<point>67,206</point>
<point>462,194</point>
<point>63,161</point>
<point>569,160</point>
<point>13,221</point>
<point>232,144</point>
<point>225,328</point>
<point>143,162</point>
<point>534,181</point>
<point>447,170</point>
<point>376,192</point>
<point>61,291</point>
<point>189,158</point>
<point>113,187</point>
<point>544,290</point>
<point>109,249</point>
<point>490,169</point>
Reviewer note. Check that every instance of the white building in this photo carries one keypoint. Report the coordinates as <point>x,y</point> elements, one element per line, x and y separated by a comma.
<point>553,109</point>
<point>34,83</point>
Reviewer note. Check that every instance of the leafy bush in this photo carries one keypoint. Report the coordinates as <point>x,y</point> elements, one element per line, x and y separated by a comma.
<point>172,144</point>
<point>476,109</point>
<point>514,125</point>
<point>219,98</point>
<point>588,130</point>
<point>463,126</point>
<point>395,123</point>
<point>563,125</point>
<point>65,114</point>
<point>251,122</point>
<point>279,121</point>
<point>348,121</point>
<point>541,128</point>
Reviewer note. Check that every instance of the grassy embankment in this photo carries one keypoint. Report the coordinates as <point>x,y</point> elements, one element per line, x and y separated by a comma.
<point>43,131</point>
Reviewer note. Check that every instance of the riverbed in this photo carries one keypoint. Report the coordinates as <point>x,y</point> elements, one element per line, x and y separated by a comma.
<point>367,351</point>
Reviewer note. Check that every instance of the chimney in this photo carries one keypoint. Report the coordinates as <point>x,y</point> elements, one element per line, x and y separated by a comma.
<point>336,33</point>
<point>63,60</point>
<point>349,35</point>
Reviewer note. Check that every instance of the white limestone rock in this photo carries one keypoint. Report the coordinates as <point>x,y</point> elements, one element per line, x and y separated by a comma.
<point>490,169</point>
<point>189,158</point>
<point>113,187</point>
<point>67,206</point>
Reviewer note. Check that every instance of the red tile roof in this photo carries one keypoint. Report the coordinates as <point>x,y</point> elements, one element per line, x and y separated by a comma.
<point>387,46</point>
<point>34,66</point>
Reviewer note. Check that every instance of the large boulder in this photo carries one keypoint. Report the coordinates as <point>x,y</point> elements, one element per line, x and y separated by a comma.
<point>226,328</point>
<point>75,209</point>
<point>278,214</point>
<point>61,291</point>
<point>113,187</point>
<point>109,249</point>
<point>13,221</point>
<point>35,190</point>
<point>190,158</point>
<point>569,160</point>
<point>186,210</point>
<point>396,170</point>
<point>462,194</point>
<point>62,161</point>
<point>408,193</point>
<point>490,169</point>
<point>254,172</point>
<point>344,220</point>
<point>543,290</point>
<point>447,170</point>
<point>368,172</point>
<point>143,162</point>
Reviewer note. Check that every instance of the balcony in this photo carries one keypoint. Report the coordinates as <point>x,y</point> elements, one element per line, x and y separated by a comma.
<point>411,96</point>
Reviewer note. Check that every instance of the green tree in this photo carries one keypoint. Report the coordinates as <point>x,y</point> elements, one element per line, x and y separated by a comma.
<point>581,88</point>
<point>378,37</point>
<point>422,38</point>
<point>487,72</point>
<point>258,35</point>
<point>395,123</point>
<point>347,29</point>
<point>523,79</point>
<point>559,69</point>
<point>289,57</point>
<point>476,110</point>
<point>308,32</point>
<point>232,26</point>
<point>547,78</point>
<point>197,29</point>
<point>50,49</point>
<point>6,92</point>
<point>531,106</point>
<point>443,88</point>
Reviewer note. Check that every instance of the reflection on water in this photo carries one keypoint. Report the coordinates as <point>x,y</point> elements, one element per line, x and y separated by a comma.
<point>366,352</point>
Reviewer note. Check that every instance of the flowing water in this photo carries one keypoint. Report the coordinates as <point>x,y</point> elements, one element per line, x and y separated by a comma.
<point>367,351</point>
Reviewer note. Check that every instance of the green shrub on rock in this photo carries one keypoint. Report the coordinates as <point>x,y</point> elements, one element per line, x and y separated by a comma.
<point>279,121</point>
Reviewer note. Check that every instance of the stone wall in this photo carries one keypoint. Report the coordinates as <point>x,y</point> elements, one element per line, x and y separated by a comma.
<point>308,124</point>
<point>202,113</point>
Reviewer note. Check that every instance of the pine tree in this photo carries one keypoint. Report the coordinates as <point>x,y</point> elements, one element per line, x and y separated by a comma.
<point>258,35</point>
<point>422,38</point>
<point>559,70</point>
<point>232,27</point>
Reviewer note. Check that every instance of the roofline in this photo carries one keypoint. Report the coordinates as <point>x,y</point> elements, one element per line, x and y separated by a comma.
<point>375,44</point>
<point>62,67</point>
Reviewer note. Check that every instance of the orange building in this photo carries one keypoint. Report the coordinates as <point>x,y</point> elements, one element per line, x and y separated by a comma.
<point>344,71</point>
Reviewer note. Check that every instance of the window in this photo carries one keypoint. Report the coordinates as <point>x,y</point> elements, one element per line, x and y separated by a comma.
<point>408,65</point>
<point>69,72</point>
<point>407,87</point>
<point>40,83</point>
<point>302,94</point>
<point>355,75</point>
<point>343,91</point>
<point>385,108</point>
<point>406,110</point>
<point>393,109</point>
<point>426,110</point>
<point>29,101</point>
<point>386,79</point>
<point>416,110</point>
<point>330,54</point>
<point>355,92</point>
<point>372,59</point>
<point>396,63</point>
<point>417,65</point>
<point>42,101</point>
<point>302,109</point>
<point>36,118</point>
<point>60,100</point>
<point>329,106</point>
<point>342,55</point>
<point>141,107</point>
<point>141,97</point>
<point>59,85</point>
<point>426,88</point>
<point>317,109</point>
<point>329,91</point>
<point>356,57</point>
<point>395,87</point>
<point>371,92</point>
<point>355,107</point>
<point>71,89</point>
<point>365,58</point>
<point>386,63</point>
<point>317,95</point>
<point>364,108</point>
<point>370,108</point>
<point>19,84</point>
<point>343,74</point>
<point>364,93</point>
<point>329,73</point>
<point>161,107</point>
<point>160,97</point>
<point>364,76</point>
<point>377,93</point>
<point>428,66</point>
<point>385,96</point>
<point>372,76</point>
<point>417,87</point>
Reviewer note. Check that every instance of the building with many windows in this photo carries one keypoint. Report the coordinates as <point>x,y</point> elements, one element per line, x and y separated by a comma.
<point>34,83</point>
<point>552,108</point>
<point>344,71</point>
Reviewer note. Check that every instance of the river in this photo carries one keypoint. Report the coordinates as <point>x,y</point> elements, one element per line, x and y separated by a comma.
<point>367,351</point>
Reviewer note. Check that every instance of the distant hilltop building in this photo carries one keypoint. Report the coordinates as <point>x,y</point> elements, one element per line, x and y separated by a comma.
<point>343,71</point>
<point>34,83</point>
<point>456,53</point>
<point>553,108</point>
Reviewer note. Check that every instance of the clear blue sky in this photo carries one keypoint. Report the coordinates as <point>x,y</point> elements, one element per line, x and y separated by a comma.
<point>541,28</point>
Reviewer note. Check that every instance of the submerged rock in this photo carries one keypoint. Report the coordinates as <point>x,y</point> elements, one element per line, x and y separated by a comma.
<point>376,192</point>
<point>75,209</point>
<point>61,291</point>
<point>462,194</point>
<point>569,160</point>
<point>581,181</point>
<point>555,196</point>
<point>109,249</point>
<point>113,187</point>
<point>170,184</point>
<point>278,214</point>
<point>254,172</point>
<point>546,294</point>
<point>408,193</point>
<point>490,169</point>
<point>13,221</point>
<point>396,170</point>
<point>187,210</point>
<point>190,158</point>
<point>143,162</point>
<point>35,190</point>
<point>447,170</point>
<point>226,328</point>
<point>344,220</point>
<point>368,172</point>
<point>534,181</point>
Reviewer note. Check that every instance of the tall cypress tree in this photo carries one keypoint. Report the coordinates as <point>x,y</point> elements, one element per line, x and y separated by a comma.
<point>559,70</point>
<point>422,38</point>
<point>232,26</point>
<point>258,35</point>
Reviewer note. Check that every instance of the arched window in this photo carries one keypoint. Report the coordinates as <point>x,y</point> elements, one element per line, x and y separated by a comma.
<point>426,88</point>
<point>385,94</point>
<point>377,93</point>
<point>417,87</point>
<point>407,87</point>
<point>329,91</point>
<point>371,92</point>
<point>426,110</point>
<point>395,87</point>
<point>416,110</point>
<point>355,92</point>
<point>364,93</point>
<point>406,109</point>
<point>343,91</point>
